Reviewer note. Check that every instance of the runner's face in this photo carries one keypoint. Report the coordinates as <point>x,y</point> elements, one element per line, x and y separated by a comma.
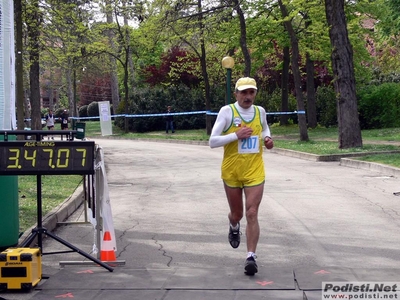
<point>246,97</point>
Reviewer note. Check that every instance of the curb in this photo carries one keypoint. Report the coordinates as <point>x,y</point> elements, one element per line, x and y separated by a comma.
<point>296,154</point>
<point>329,157</point>
<point>377,167</point>
<point>343,161</point>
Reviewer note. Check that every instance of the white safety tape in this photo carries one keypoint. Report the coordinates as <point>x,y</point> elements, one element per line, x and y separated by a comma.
<point>300,112</point>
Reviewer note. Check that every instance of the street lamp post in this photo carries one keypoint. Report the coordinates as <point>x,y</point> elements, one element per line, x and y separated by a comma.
<point>228,63</point>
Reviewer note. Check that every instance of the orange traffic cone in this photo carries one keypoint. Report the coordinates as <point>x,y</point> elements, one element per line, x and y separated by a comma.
<point>107,252</point>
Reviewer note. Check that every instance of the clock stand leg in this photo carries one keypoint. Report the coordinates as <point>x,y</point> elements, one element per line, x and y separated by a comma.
<point>40,230</point>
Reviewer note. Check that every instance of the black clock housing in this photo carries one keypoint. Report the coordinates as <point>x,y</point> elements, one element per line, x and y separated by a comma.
<point>46,157</point>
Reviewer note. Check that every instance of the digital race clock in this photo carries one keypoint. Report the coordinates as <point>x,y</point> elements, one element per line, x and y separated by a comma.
<point>46,158</point>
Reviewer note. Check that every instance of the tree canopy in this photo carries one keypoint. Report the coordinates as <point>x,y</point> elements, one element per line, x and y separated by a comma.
<point>129,44</point>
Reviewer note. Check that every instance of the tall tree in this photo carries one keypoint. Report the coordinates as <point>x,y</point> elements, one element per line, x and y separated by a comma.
<point>296,71</point>
<point>386,44</point>
<point>344,81</point>
<point>283,119</point>
<point>188,24</point>
<point>121,39</point>
<point>203,61</point>
<point>311,105</point>
<point>33,19</point>
<point>65,36</point>
<point>243,37</point>
<point>114,73</point>
<point>122,55</point>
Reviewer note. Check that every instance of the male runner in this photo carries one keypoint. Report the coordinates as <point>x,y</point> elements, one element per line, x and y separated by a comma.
<point>242,129</point>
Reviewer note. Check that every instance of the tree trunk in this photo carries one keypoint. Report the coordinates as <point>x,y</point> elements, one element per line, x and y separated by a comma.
<point>206,89</point>
<point>51,91</point>
<point>128,42</point>
<point>70,88</point>
<point>74,107</point>
<point>296,73</point>
<point>34,92</point>
<point>114,74</point>
<point>344,81</point>
<point>114,85</point>
<point>283,119</point>
<point>27,107</point>
<point>311,106</point>
<point>243,39</point>
<point>33,35</point>
<point>203,62</point>
<point>126,89</point>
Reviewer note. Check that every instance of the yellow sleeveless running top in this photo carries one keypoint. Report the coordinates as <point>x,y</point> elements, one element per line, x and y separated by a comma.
<point>243,164</point>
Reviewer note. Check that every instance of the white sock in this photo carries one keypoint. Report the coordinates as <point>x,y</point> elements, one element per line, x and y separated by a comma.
<point>251,254</point>
<point>235,227</point>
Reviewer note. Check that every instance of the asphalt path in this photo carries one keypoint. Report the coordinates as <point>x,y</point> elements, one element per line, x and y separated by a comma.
<point>169,209</point>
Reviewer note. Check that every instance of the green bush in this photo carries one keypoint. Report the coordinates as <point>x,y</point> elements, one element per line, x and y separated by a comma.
<point>379,77</point>
<point>218,99</point>
<point>379,106</point>
<point>93,109</point>
<point>155,100</point>
<point>273,102</point>
<point>43,112</point>
<point>326,106</point>
<point>83,111</point>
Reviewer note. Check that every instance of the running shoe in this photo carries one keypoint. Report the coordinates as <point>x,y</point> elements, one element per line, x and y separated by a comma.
<point>250,266</point>
<point>234,236</point>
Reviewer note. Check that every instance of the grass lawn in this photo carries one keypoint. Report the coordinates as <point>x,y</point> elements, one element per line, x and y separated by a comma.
<point>329,147</point>
<point>322,141</point>
<point>386,159</point>
<point>55,189</point>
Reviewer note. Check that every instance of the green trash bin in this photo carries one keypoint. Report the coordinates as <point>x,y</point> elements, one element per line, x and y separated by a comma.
<point>80,128</point>
<point>9,212</point>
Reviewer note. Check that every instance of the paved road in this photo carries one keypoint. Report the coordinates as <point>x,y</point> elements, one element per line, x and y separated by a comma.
<point>170,211</point>
<point>170,196</point>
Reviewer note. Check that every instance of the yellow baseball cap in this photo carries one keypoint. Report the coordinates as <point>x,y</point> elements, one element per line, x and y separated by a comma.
<point>245,83</point>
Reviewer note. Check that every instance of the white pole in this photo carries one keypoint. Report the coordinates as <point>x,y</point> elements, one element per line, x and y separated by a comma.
<point>7,66</point>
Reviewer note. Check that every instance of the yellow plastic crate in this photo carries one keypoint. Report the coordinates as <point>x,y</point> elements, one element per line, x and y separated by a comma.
<point>20,268</point>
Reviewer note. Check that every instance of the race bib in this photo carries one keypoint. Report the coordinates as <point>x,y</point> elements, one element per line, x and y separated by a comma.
<point>249,145</point>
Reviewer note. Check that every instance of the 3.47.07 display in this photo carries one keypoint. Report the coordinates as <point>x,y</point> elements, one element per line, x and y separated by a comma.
<point>46,158</point>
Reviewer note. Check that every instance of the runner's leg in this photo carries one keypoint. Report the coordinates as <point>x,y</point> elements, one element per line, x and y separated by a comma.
<point>253,199</point>
<point>235,201</point>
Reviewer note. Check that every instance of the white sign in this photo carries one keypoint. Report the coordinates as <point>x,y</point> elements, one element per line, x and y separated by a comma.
<point>105,118</point>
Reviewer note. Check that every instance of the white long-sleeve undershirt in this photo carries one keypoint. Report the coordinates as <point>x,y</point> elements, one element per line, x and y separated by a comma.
<point>224,120</point>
